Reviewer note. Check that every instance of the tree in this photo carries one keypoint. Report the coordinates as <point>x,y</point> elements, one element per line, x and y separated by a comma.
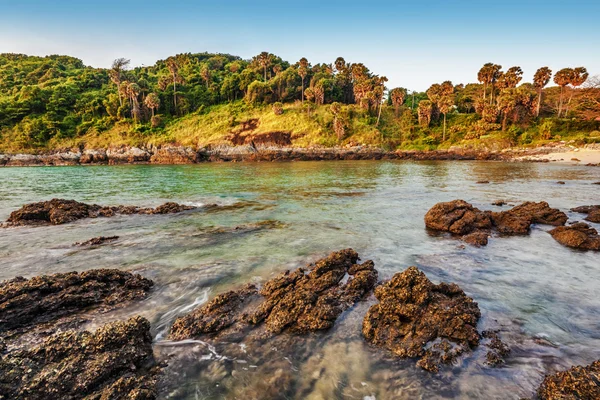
<point>511,78</point>
<point>338,121</point>
<point>173,66</point>
<point>277,68</point>
<point>303,71</point>
<point>446,102</point>
<point>264,60</point>
<point>133,91</point>
<point>562,78</point>
<point>425,108</point>
<point>378,93</point>
<point>152,101</point>
<point>397,96</point>
<point>578,78</point>
<point>205,73</point>
<point>309,96</point>
<point>540,80</point>
<point>485,76</point>
<point>116,73</point>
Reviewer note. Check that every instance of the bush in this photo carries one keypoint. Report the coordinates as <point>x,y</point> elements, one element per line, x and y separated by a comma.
<point>156,121</point>
<point>526,138</point>
<point>545,130</point>
<point>277,108</point>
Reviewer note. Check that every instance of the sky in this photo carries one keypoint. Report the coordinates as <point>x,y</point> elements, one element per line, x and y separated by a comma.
<point>414,43</point>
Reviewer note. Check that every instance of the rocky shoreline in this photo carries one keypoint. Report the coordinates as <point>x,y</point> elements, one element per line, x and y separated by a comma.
<point>174,154</point>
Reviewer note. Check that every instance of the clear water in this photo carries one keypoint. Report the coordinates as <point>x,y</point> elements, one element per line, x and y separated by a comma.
<point>541,296</point>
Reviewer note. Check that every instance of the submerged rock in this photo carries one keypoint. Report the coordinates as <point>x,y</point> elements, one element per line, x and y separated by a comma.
<point>474,226</point>
<point>60,211</point>
<point>115,362</point>
<point>578,235</point>
<point>97,241</point>
<point>28,302</point>
<point>579,382</point>
<point>300,301</point>
<point>498,349</point>
<point>418,319</point>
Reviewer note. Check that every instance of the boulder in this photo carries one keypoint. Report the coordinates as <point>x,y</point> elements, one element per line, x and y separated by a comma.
<point>27,302</point>
<point>457,217</point>
<point>578,382</point>
<point>301,301</point>
<point>578,235</point>
<point>97,241</point>
<point>518,220</point>
<point>115,362</point>
<point>418,319</point>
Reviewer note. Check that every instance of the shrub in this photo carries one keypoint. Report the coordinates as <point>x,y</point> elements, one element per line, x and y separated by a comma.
<point>277,108</point>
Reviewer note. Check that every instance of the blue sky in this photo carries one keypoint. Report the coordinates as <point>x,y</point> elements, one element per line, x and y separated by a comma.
<point>413,43</point>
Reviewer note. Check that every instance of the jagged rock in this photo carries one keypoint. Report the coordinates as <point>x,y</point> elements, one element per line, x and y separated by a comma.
<point>499,203</point>
<point>60,211</point>
<point>115,362</point>
<point>97,241</point>
<point>457,217</point>
<point>298,302</point>
<point>477,238</point>
<point>28,302</point>
<point>418,319</point>
<point>518,220</point>
<point>578,235</point>
<point>498,350</point>
<point>560,183</point>
<point>581,383</point>
<point>593,212</point>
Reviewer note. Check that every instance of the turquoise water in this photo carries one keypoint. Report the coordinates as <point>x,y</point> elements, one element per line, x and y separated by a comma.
<point>541,296</point>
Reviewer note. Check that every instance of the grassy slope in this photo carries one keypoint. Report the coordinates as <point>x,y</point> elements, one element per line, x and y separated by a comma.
<point>213,126</point>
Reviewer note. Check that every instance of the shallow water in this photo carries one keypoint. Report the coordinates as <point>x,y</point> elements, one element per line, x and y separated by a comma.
<point>541,296</point>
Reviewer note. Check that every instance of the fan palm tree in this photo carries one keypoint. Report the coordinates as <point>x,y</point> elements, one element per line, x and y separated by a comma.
<point>264,60</point>
<point>540,80</point>
<point>562,78</point>
<point>152,101</point>
<point>116,74</point>
<point>425,108</point>
<point>303,71</point>
<point>579,77</point>
<point>173,66</point>
<point>397,96</point>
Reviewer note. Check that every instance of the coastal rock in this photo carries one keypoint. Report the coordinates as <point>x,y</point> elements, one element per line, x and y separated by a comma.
<point>115,362</point>
<point>91,156</point>
<point>578,235</point>
<point>498,349</point>
<point>418,319</point>
<point>518,220</point>
<point>499,203</point>
<point>127,155</point>
<point>60,211</point>
<point>457,217</point>
<point>593,212</point>
<point>576,383</point>
<point>97,241</point>
<point>28,302</point>
<point>300,301</point>
<point>174,155</point>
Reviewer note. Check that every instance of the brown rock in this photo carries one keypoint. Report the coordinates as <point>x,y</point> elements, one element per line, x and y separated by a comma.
<point>499,203</point>
<point>593,216</point>
<point>518,220</point>
<point>413,313</point>
<point>457,217</point>
<point>498,350</point>
<point>115,362</point>
<point>579,382</point>
<point>586,209</point>
<point>478,238</point>
<point>298,302</point>
<point>579,236</point>
<point>560,182</point>
<point>28,302</point>
<point>60,211</point>
<point>482,182</point>
<point>97,241</point>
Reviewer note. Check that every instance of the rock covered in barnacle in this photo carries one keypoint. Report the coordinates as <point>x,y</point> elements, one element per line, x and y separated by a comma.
<point>304,300</point>
<point>498,350</point>
<point>518,220</point>
<point>475,226</point>
<point>27,302</point>
<point>60,211</point>
<point>576,383</point>
<point>115,362</point>
<point>578,235</point>
<point>418,319</point>
<point>593,212</point>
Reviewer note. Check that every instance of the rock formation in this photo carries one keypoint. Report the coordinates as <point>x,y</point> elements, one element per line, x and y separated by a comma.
<point>578,235</point>
<point>418,319</point>
<point>582,383</point>
<point>300,301</point>
<point>115,362</point>
<point>60,211</point>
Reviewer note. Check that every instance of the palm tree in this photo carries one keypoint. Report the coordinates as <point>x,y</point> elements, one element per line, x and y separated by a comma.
<point>277,68</point>
<point>540,80</point>
<point>264,60</point>
<point>309,96</point>
<point>425,108</point>
<point>379,91</point>
<point>579,77</point>
<point>511,78</point>
<point>205,73</point>
<point>562,78</point>
<point>116,73</point>
<point>303,71</point>
<point>397,96</point>
<point>173,66</point>
<point>133,91</point>
<point>484,76</point>
<point>495,74</point>
<point>152,101</point>
<point>446,102</point>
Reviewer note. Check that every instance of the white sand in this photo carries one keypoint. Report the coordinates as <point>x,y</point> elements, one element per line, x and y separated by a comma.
<point>575,157</point>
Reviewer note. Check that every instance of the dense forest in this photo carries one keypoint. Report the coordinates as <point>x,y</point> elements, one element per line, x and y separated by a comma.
<point>198,99</point>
